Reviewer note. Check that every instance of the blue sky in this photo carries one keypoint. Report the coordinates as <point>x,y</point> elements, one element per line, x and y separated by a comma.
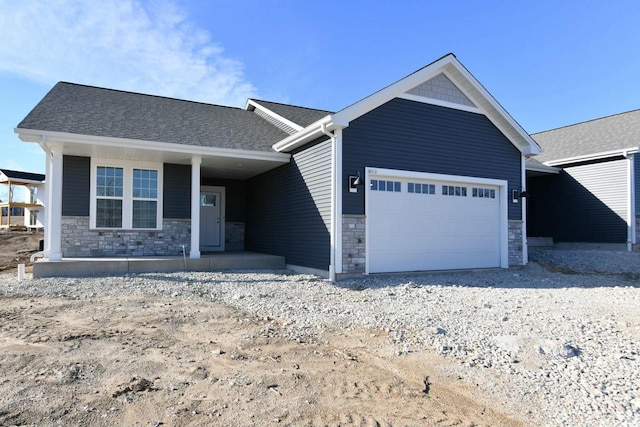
<point>549,63</point>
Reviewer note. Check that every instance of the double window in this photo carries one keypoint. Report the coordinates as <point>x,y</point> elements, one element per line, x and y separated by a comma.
<point>126,195</point>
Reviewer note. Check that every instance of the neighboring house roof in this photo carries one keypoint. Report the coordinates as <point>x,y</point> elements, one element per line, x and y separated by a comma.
<point>87,110</point>
<point>602,137</point>
<point>12,175</point>
<point>302,116</point>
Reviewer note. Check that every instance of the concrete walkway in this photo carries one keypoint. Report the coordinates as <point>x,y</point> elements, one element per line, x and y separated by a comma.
<point>160,264</point>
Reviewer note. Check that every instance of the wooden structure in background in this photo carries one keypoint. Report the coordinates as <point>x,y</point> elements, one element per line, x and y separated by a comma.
<point>11,179</point>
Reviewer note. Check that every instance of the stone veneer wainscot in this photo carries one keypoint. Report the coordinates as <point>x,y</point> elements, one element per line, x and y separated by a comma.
<point>79,241</point>
<point>353,243</point>
<point>515,242</point>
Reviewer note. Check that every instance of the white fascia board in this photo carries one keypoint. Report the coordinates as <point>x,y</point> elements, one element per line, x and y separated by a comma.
<point>440,103</point>
<point>386,94</point>
<point>30,135</point>
<point>543,168</point>
<point>278,117</point>
<point>308,134</point>
<point>594,156</point>
<point>532,147</point>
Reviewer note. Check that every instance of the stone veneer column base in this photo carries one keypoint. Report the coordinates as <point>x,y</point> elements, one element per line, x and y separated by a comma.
<point>515,242</point>
<point>353,243</point>
<point>234,236</point>
<point>79,242</point>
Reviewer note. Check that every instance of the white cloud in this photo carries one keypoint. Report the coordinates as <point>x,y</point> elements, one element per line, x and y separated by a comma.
<point>122,44</point>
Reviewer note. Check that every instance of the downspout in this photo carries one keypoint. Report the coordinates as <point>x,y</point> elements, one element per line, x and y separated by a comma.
<point>334,201</point>
<point>631,201</point>
<point>523,206</point>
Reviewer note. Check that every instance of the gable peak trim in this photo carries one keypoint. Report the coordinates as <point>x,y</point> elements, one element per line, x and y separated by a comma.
<point>252,105</point>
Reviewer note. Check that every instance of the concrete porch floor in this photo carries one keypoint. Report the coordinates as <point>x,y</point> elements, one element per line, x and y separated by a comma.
<point>156,264</point>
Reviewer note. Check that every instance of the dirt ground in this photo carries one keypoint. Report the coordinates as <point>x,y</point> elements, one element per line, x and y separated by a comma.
<point>16,248</point>
<point>149,361</point>
<point>152,361</point>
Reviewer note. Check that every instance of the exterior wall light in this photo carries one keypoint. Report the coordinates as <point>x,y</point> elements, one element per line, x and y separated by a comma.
<point>516,195</point>
<point>354,181</point>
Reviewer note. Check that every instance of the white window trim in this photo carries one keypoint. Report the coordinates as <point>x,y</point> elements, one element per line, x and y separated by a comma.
<point>127,192</point>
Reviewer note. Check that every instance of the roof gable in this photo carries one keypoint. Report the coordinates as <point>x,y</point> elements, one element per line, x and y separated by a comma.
<point>444,82</point>
<point>603,137</point>
<point>442,89</point>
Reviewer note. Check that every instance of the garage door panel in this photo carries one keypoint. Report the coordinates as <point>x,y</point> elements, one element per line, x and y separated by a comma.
<point>416,231</point>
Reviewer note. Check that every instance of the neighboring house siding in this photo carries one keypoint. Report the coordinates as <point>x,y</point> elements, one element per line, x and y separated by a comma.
<point>76,181</point>
<point>177,191</point>
<point>594,202</point>
<point>408,135</point>
<point>584,203</point>
<point>289,208</point>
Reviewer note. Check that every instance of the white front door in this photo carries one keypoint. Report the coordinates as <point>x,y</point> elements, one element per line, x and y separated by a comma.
<point>211,219</point>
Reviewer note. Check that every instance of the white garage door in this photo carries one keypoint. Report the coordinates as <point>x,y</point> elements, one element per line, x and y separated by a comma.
<point>429,224</point>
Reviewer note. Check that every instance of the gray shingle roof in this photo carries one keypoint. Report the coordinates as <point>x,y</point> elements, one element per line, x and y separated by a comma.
<point>300,115</point>
<point>595,136</point>
<point>89,110</point>
<point>19,175</point>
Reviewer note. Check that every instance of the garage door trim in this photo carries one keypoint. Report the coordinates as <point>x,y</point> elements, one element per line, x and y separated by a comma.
<point>403,174</point>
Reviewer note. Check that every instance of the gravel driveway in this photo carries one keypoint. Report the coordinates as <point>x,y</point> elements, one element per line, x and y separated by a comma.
<point>558,339</point>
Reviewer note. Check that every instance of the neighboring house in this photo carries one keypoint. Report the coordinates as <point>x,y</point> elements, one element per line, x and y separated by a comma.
<point>424,174</point>
<point>593,194</point>
<point>26,209</point>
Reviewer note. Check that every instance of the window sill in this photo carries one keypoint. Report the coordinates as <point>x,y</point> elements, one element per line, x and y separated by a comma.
<point>126,229</point>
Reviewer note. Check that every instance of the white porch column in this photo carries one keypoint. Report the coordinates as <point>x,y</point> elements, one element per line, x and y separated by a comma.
<point>47,204</point>
<point>55,184</point>
<point>195,207</point>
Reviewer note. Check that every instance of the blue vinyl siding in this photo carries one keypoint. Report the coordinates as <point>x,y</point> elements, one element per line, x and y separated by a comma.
<point>76,181</point>
<point>636,178</point>
<point>177,191</point>
<point>289,208</point>
<point>409,135</point>
<point>584,203</point>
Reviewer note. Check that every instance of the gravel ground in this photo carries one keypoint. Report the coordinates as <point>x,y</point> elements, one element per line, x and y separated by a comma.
<point>558,339</point>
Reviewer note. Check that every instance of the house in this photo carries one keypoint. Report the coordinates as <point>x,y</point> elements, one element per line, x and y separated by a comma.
<point>593,195</point>
<point>26,210</point>
<point>424,174</point>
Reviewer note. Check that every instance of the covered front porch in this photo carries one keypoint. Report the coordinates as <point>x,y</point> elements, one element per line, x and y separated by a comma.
<point>185,192</point>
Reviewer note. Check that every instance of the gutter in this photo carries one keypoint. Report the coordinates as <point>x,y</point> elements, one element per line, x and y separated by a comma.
<point>308,134</point>
<point>334,201</point>
<point>595,156</point>
<point>32,135</point>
